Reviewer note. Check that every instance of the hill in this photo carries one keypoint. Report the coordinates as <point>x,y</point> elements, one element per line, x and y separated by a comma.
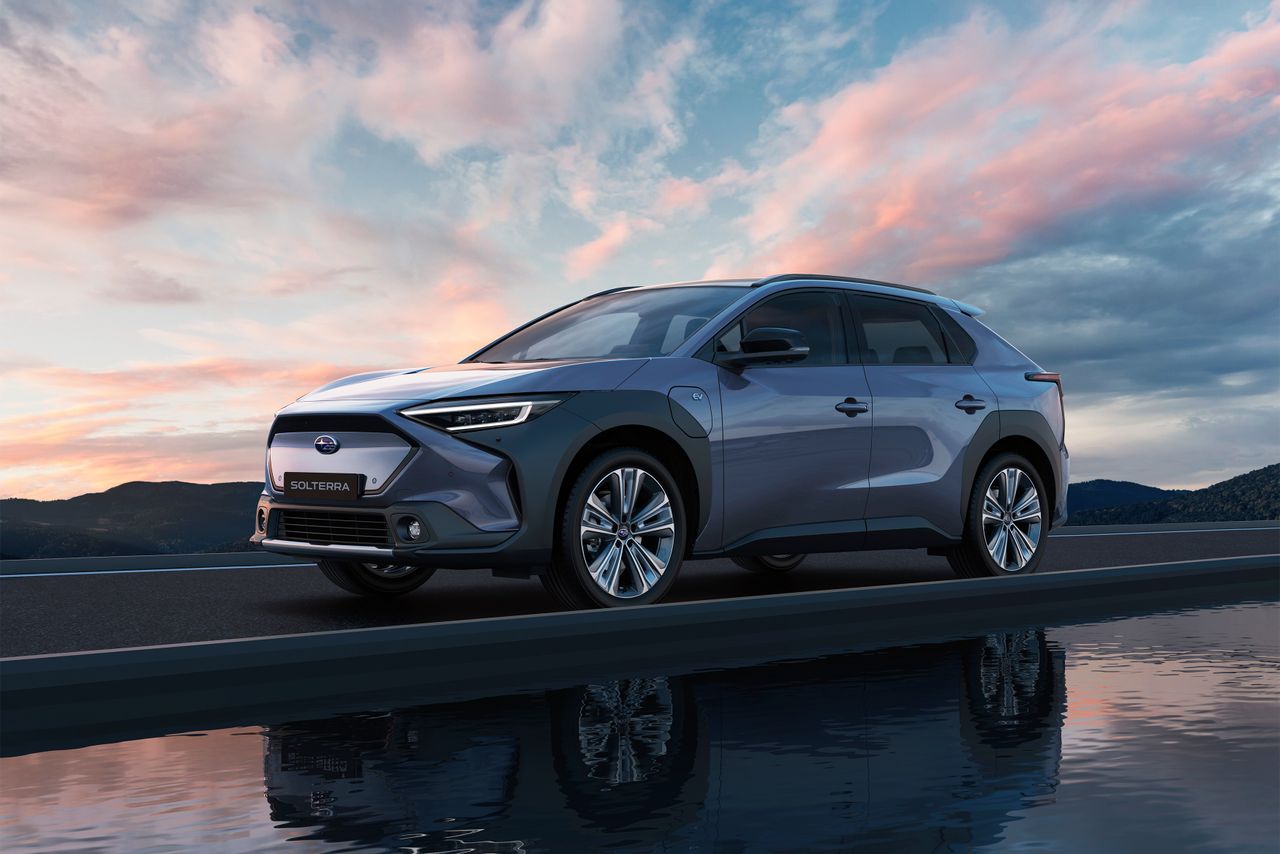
<point>171,517</point>
<point>1249,497</point>
<point>1091,494</point>
<point>175,517</point>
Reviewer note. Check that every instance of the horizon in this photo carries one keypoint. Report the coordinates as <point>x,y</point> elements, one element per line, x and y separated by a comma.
<point>251,481</point>
<point>208,210</point>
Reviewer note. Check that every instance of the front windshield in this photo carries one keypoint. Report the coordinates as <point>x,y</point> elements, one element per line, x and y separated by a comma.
<point>628,324</point>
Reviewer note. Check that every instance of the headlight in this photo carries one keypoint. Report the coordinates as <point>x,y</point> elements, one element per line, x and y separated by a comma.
<point>458,416</point>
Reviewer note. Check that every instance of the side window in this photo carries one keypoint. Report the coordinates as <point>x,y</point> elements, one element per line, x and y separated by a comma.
<point>960,345</point>
<point>817,315</point>
<point>898,332</point>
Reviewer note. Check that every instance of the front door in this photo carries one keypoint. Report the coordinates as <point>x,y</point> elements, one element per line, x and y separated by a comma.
<point>795,465</point>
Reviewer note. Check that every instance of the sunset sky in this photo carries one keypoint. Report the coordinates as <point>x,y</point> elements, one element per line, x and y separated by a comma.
<point>208,209</point>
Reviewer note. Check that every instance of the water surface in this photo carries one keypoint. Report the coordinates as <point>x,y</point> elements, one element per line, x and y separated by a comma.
<point>1152,733</point>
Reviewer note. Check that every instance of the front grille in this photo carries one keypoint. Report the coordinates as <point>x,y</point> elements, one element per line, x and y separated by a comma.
<point>337,422</point>
<point>334,528</point>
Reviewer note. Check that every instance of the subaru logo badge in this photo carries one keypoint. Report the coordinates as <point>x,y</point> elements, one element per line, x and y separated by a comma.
<point>327,445</point>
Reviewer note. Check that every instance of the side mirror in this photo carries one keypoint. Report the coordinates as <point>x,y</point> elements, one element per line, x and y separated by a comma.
<point>767,344</point>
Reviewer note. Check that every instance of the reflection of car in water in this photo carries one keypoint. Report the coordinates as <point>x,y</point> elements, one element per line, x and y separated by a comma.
<point>909,749</point>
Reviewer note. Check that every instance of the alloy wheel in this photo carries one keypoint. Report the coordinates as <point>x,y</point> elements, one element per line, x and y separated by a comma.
<point>1011,521</point>
<point>627,532</point>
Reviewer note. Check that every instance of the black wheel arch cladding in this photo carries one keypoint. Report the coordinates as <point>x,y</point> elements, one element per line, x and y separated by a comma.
<point>1023,432</point>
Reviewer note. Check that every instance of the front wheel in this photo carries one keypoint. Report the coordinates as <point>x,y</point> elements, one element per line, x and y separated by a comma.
<point>622,536</point>
<point>1005,528</point>
<point>382,580</point>
<point>769,564</point>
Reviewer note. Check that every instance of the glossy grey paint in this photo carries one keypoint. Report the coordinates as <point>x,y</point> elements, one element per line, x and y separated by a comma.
<point>789,456</point>
<point>919,441</point>
<point>770,454</point>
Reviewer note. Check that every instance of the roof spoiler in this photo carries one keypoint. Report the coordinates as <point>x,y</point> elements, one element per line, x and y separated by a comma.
<point>971,310</point>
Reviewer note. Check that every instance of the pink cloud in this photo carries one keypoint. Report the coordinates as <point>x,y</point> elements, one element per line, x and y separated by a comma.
<point>978,140</point>
<point>144,384</point>
<point>583,261</point>
<point>204,418</point>
<point>685,196</point>
<point>200,420</point>
<point>445,87</point>
<point>97,138</point>
<point>682,195</point>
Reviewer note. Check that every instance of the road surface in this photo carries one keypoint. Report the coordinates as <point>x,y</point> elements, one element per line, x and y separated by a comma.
<point>109,609</point>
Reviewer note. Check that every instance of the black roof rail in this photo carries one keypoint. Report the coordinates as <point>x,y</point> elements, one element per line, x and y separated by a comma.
<point>821,277</point>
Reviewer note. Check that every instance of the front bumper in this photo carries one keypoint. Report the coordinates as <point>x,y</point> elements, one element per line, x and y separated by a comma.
<point>447,540</point>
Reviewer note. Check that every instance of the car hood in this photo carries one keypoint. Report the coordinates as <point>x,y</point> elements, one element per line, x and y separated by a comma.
<point>474,379</point>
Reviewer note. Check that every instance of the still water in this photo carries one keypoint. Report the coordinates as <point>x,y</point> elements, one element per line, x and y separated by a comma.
<point>1152,733</point>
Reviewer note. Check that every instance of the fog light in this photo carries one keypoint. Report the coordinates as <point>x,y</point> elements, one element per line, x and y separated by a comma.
<point>262,520</point>
<point>414,529</point>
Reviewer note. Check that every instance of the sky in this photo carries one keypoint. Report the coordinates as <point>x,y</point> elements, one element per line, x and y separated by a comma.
<point>207,209</point>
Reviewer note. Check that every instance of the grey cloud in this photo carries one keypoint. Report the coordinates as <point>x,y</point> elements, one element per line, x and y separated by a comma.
<point>138,284</point>
<point>1166,304</point>
<point>1165,322</point>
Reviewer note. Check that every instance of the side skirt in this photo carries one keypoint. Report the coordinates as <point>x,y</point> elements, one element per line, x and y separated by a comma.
<point>896,532</point>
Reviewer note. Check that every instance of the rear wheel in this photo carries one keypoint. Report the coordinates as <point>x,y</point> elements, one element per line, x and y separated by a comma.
<point>622,536</point>
<point>770,564</point>
<point>1005,528</point>
<point>382,580</point>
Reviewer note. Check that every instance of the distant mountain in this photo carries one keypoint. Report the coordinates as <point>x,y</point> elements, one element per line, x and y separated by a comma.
<point>1249,497</point>
<point>1090,494</point>
<point>134,518</point>
<point>175,517</point>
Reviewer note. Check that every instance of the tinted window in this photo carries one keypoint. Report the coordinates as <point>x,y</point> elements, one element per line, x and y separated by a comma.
<point>960,346</point>
<point>897,332</point>
<point>641,323</point>
<point>816,315</point>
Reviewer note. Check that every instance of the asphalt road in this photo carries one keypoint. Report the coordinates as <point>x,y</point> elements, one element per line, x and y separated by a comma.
<point>115,610</point>
<point>88,610</point>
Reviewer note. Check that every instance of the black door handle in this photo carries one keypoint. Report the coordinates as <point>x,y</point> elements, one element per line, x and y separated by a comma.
<point>970,404</point>
<point>851,407</point>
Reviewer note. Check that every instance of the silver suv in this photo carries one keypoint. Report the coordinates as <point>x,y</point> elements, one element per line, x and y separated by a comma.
<point>600,445</point>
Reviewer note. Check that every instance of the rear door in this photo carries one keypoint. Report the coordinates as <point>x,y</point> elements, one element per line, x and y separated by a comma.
<point>929,403</point>
<point>794,465</point>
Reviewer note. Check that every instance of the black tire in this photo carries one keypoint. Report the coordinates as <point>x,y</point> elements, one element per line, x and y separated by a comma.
<point>769,564</point>
<point>971,559</point>
<point>364,580</point>
<point>568,579</point>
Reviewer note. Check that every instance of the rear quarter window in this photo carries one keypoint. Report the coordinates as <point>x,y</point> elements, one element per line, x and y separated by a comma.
<point>960,344</point>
